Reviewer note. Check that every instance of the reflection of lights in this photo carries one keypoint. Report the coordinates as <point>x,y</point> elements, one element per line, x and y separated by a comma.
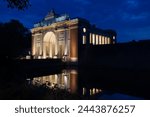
<point>92,91</point>
<point>73,72</point>
<point>97,91</point>
<point>65,81</point>
<point>61,80</point>
<point>65,57</point>
<point>56,78</point>
<point>66,78</point>
<point>64,72</point>
<point>52,85</point>
<point>84,91</point>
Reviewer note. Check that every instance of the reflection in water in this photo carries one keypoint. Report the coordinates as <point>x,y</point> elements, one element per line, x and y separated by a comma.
<point>76,82</point>
<point>91,91</point>
<point>66,80</point>
<point>95,91</point>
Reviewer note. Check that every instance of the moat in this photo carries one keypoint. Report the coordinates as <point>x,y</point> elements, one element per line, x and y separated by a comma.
<point>74,83</point>
<point>93,83</point>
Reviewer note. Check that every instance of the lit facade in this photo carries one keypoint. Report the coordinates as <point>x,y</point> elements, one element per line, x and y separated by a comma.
<point>58,36</point>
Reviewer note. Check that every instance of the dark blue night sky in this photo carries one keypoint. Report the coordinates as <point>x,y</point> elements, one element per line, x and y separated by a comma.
<point>130,18</point>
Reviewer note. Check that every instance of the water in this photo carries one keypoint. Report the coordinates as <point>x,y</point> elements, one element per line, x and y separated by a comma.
<point>65,80</point>
<point>88,83</point>
<point>85,83</point>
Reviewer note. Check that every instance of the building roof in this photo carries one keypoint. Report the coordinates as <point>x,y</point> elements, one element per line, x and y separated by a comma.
<point>50,18</point>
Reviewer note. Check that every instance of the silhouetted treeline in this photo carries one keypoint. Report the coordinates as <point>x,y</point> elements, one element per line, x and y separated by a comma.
<point>131,55</point>
<point>15,39</point>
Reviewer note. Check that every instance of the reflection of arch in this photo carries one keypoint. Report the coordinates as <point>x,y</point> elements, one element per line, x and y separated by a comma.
<point>50,45</point>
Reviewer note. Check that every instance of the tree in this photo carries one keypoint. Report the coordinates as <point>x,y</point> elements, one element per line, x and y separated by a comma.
<point>15,38</point>
<point>19,4</point>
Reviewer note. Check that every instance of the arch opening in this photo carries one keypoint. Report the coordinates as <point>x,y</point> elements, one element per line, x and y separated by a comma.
<point>50,49</point>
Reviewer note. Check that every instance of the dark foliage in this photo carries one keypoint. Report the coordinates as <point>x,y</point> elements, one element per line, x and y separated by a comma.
<point>20,91</point>
<point>15,39</point>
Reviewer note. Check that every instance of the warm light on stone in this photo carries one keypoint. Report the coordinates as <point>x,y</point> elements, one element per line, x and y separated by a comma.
<point>59,37</point>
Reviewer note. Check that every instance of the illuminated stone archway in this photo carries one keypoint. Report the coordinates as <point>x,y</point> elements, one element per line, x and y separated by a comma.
<point>50,49</point>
